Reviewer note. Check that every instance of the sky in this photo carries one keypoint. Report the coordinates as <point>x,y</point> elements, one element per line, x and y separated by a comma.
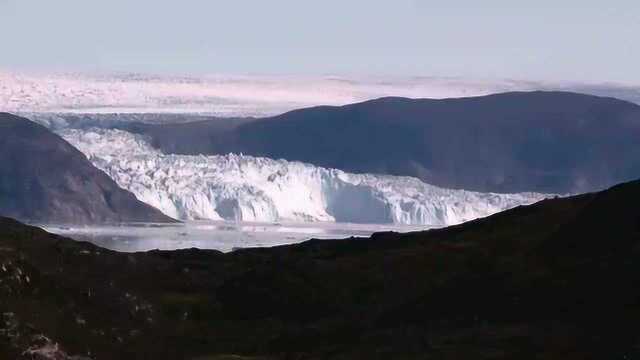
<point>586,40</point>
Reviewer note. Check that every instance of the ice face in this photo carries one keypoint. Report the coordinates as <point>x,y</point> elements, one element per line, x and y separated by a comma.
<point>246,188</point>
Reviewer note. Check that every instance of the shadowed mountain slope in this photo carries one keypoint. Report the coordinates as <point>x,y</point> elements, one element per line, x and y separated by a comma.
<point>550,142</point>
<point>45,179</point>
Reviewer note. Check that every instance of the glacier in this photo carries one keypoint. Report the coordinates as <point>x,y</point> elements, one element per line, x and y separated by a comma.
<point>245,188</point>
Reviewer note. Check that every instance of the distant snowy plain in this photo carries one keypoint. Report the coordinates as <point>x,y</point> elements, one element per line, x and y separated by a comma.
<point>242,96</point>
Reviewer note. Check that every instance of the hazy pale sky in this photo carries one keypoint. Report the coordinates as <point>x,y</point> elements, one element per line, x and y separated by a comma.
<point>583,40</point>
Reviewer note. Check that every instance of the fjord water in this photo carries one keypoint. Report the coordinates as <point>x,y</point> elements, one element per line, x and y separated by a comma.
<point>216,235</point>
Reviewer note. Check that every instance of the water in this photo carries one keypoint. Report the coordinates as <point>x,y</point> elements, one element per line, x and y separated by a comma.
<point>217,235</point>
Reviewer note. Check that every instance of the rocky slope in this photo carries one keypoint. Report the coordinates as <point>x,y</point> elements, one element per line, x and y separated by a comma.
<point>45,179</point>
<point>557,279</point>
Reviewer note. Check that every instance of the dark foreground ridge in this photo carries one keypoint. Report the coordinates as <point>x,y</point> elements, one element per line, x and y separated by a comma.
<point>554,280</point>
<point>550,142</point>
<point>45,179</point>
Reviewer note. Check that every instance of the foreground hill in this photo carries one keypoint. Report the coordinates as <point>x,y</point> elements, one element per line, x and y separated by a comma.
<point>549,142</point>
<point>557,279</point>
<point>45,179</point>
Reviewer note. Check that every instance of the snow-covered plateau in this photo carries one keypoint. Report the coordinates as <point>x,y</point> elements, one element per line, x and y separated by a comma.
<point>241,96</point>
<point>218,95</point>
<point>245,188</point>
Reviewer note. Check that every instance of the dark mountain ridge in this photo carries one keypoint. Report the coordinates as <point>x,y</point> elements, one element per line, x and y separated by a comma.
<point>553,142</point>
<point>557,279</point>
<point>45,179</point>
